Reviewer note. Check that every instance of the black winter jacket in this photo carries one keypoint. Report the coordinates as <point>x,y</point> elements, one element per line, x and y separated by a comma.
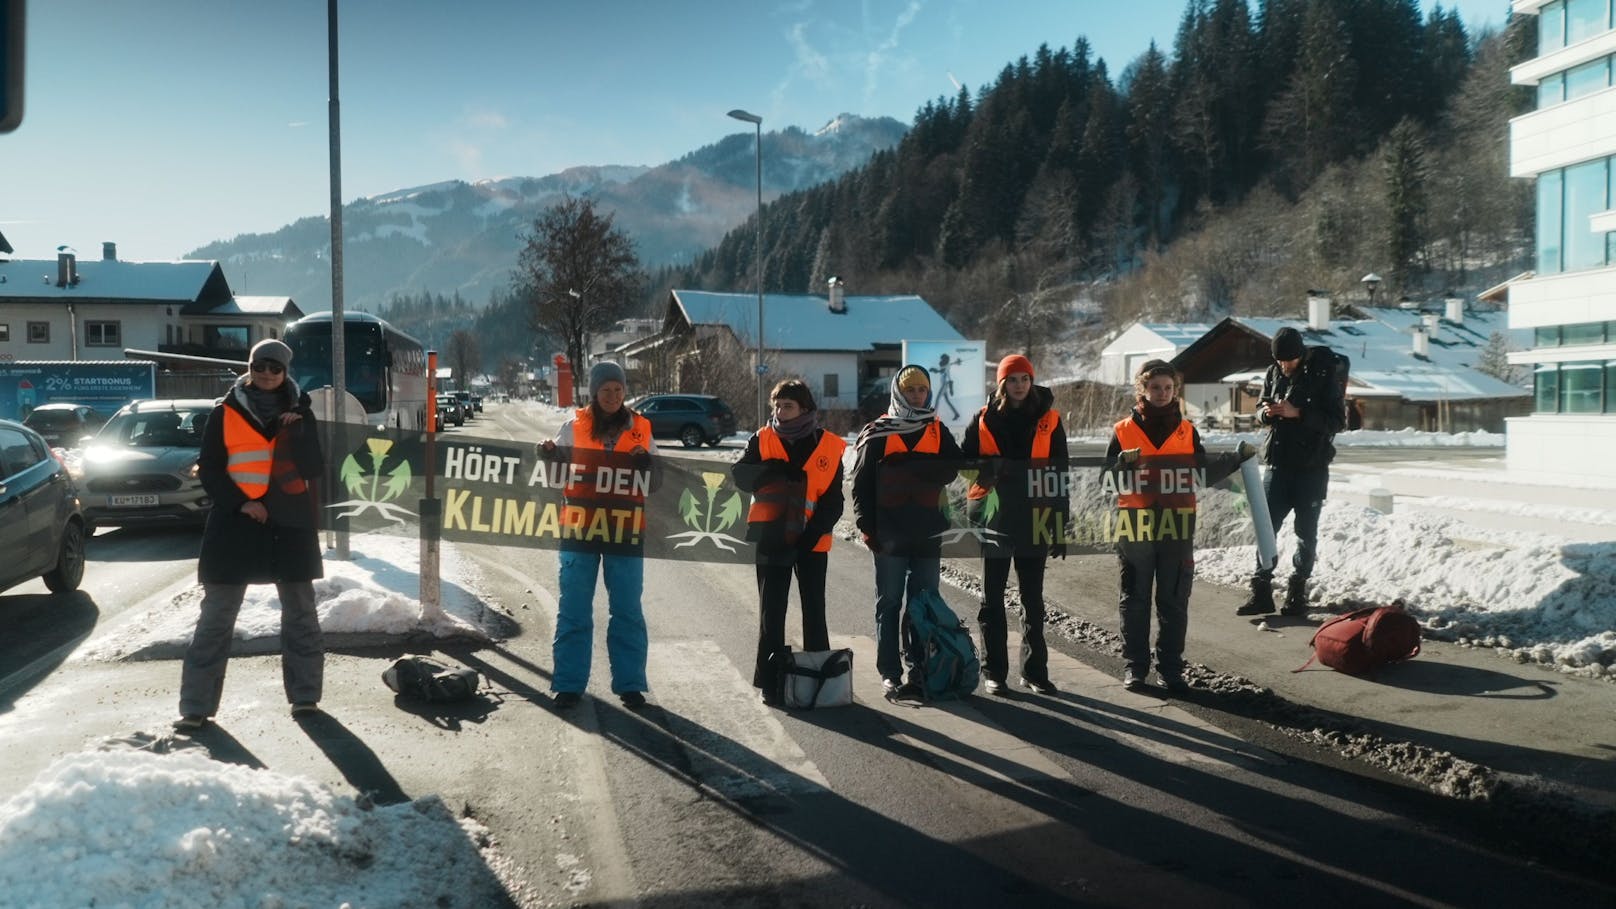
<point>882,507</point>
<point>1304,443</point>
<point>235,548</point>
<point>1012,428</point>
<point>751,471</point>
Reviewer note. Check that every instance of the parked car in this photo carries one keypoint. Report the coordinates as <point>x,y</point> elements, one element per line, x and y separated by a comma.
<point>42,531</point>
<point>141,467</point>
<point>450,410</point>
<point>61,424</point>
<point>692,419</point>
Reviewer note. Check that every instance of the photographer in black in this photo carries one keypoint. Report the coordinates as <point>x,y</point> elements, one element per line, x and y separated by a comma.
<point>1303,409</point>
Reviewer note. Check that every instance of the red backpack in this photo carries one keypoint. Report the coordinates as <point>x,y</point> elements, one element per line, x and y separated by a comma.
<point>1359,641</point>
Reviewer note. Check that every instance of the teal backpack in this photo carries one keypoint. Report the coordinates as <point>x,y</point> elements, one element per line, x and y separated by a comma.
<point>946,656</point>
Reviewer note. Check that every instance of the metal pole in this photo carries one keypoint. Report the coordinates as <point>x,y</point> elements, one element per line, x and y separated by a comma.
<point>761,407</point>
<point>339,359</point>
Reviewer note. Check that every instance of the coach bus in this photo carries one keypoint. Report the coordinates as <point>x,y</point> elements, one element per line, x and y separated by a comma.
<point>386,368</point>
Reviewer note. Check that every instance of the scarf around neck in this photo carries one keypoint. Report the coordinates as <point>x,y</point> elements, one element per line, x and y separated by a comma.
<point>900,418</point>
<point>801,427</point>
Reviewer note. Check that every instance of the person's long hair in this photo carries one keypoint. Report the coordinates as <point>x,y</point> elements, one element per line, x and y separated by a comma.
<point>604,424</point>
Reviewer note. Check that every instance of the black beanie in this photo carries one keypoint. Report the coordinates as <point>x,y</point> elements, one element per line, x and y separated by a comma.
<point>1288,344</point>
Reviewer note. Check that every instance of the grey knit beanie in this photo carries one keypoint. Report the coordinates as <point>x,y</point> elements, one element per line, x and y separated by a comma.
<point>603,372</point>
<point>271,349</point>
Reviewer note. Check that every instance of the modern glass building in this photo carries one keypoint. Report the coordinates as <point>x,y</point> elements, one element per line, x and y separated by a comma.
<point>1568,144</point>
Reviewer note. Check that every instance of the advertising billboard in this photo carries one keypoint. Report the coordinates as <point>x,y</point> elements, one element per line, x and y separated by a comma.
<point>958,378</point>
<point>106,386</point>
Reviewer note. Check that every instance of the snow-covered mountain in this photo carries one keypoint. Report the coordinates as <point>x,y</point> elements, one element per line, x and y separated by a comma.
<point>464,237</point>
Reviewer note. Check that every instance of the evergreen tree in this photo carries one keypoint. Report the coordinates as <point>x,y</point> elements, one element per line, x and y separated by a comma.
<point>1312,123</point>
<point>1403,173</point>
<point>1149,105</point>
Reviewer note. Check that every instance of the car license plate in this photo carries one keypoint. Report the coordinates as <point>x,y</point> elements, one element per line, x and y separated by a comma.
<point>130,501</point>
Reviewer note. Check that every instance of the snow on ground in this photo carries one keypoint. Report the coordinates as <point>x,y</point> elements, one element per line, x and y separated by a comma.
<point>376,591</point>
<point>127,827</point>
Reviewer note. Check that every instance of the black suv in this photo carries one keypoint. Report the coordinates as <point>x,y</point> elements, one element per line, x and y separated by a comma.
<point>692,419</point>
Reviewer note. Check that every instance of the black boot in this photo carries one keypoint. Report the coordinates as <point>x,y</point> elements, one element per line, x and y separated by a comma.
<point>1296,596</point>
<point>1261,600</point>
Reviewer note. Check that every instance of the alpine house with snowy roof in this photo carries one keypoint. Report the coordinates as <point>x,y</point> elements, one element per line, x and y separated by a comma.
<point>1412,366</point>
<point>838,344</point>
<point>95,309</point>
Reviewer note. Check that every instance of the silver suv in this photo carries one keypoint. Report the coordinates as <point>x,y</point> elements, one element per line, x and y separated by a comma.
<point>141,467</point>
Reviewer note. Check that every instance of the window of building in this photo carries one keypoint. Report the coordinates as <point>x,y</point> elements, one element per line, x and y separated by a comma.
<point>1546,336</point>
<point>1588,78</point>
<point>5,332</point>
<point>833,385</point>
<point>1610,386</point>
<point>1551,28</point>
<point>38,332</point>
<point>1581,385</point>
<point>1551,91</point>
<point>1585,19</point>
<point>225,337</point>
<point>1585,188</point>
<point>1549,224</point>
<point>1583,333</point>
<point>1546,387</point>
<point>102,334</point>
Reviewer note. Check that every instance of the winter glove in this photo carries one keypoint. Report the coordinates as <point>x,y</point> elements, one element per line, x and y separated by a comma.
<point>1245,450</point>
<point>808,540</point>
<point>640,458</point>
<point>1057,551</point>
<point>1128,455</point>
<point>987,472</point>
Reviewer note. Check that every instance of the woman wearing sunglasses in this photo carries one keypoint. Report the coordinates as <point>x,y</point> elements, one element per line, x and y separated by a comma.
<point>260,454</point>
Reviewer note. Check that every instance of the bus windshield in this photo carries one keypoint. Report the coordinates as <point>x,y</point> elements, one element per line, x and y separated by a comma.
<point>363,352</point>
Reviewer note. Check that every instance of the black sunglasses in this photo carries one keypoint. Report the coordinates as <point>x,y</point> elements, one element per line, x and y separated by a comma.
<point>269,366</point>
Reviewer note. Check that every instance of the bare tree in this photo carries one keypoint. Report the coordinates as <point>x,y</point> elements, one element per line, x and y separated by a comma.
<point>464,357</point>
<point>578,274</point>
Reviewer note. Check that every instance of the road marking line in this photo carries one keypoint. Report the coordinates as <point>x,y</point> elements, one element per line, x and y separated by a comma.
<point>693,678</point>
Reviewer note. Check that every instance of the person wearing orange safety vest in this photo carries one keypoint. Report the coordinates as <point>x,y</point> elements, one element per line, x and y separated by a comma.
<point>603,538</point>
<point>260,453</point>
<point>902,462</point>
<point>1013,439</point>
<point>793,469</point>
<point>1153,455</point>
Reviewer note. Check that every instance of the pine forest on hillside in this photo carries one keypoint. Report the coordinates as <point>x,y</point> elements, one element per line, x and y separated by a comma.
<point>1291,145</point>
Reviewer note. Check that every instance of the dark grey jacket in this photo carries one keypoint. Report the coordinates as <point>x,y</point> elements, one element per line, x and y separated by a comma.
<point>1304,443</point>
<point>235,548</point>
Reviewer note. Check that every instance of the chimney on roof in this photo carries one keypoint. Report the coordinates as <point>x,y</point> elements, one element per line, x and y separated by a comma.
<point>1422,341</point>
<point>837,303</point>
<point>67,269</point>
<point>1318,310</point>
<point>109,251</point>
<point>1455,308</point>
<point>1433,322</point>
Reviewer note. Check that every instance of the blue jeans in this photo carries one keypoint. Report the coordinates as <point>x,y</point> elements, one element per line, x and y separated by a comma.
<point>626,641</point>
<point>895,576</point>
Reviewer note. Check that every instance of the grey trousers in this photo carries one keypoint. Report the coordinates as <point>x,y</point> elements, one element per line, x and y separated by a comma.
<point>302,648</point>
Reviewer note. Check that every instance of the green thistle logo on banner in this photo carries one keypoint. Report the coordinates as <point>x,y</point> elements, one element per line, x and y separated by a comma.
<point>374,490</point>
<point>702,515</point>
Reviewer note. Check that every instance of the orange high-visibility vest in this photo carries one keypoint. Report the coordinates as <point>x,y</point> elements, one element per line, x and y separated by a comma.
<point>898,489</point>
<point>589,453</point>
<point>772,502</point>
<point>1176,450</point>
<point>250,459</point>
<point>988,446</point>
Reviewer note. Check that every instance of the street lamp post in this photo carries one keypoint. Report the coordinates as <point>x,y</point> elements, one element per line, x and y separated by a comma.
<point>1371,283</point>
<point>757,121</point>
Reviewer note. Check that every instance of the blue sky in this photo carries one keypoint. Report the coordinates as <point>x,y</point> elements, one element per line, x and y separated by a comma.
<point>165,124</point>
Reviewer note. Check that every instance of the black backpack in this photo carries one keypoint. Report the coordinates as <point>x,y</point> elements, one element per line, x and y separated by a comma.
<point>424,680</point>
<point>1339,366</point>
